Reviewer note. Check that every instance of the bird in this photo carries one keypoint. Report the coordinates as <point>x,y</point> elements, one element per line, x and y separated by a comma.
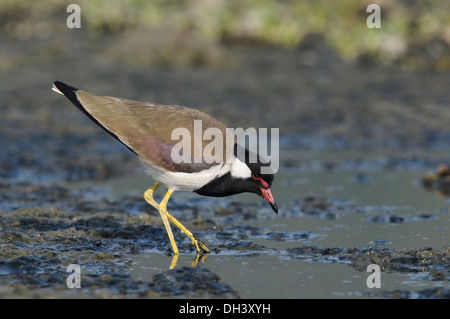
<point>146,129</point>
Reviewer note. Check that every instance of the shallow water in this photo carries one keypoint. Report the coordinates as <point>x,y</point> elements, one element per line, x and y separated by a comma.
<point>375,200</point>
<point>269,276</point>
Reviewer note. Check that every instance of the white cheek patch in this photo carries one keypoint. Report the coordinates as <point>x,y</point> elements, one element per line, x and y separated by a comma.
<point>240,169</point>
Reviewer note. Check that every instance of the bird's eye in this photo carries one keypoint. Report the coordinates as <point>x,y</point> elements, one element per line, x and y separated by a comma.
<point>259,178</point>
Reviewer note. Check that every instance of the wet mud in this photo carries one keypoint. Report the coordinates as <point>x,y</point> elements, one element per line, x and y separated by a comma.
<point>52,227</point>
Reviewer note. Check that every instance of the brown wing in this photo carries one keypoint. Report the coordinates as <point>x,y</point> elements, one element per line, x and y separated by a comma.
<point>146,128</point>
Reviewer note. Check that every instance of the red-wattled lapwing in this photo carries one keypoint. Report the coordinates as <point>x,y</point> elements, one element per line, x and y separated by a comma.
<point>146,129</point>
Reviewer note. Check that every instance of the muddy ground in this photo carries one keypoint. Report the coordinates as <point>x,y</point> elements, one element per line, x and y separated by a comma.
<point>49,227</point>
<point>315,98</point>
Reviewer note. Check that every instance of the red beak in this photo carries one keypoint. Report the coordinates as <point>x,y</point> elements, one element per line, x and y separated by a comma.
<point>267,193</point>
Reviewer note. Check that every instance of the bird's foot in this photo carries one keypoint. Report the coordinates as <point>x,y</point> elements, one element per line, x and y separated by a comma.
<point>199,245</point>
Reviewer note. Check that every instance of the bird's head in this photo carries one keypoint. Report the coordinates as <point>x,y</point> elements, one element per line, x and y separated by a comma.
<point>248,173</point>
<point>262,188</point>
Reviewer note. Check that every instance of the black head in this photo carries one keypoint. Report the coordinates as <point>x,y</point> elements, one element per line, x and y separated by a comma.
<point>261,175</point>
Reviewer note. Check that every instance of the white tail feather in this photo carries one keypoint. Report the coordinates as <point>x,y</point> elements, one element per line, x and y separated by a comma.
<point>54,88</point>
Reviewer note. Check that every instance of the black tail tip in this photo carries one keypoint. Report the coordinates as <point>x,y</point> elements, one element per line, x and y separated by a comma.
<point>63,87</point>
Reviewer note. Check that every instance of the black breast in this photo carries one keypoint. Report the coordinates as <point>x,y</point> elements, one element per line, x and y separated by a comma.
<point>222,186</point>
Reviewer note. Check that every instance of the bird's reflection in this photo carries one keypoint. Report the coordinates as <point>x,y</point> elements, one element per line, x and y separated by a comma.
<point>200,258</point>
<point>438,181</point>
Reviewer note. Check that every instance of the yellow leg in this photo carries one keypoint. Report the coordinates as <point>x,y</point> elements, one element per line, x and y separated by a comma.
<point>163,212</point>
<point>165,216</point>
<point>197,242</point>
<point>148,196</point>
